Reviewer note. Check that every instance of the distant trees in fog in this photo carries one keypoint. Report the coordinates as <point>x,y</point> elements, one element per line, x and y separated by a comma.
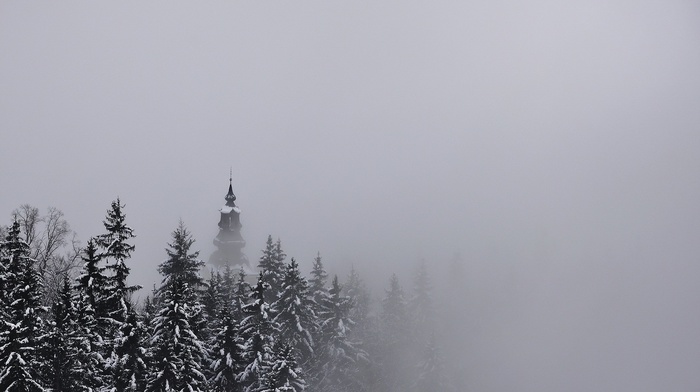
<point>68,323</point>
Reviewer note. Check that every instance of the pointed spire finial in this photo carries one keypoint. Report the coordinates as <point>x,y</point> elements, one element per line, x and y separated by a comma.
<point>230,197</point>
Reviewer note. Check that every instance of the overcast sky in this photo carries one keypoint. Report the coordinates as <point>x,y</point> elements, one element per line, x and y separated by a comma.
<point>554,145</point>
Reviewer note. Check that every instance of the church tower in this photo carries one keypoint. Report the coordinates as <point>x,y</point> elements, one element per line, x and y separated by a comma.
<point>229,241</point>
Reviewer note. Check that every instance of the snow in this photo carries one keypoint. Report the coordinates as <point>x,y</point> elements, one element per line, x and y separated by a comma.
<point>227,210</point>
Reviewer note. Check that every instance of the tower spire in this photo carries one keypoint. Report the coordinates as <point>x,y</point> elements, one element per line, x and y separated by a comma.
<point>230,197</point>
<point>229,241</point>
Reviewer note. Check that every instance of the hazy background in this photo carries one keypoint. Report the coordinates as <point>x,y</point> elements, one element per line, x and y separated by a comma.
<point>554,146</point>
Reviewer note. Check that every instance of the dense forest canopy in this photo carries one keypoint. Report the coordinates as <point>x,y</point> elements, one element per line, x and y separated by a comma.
<point>70,321</point>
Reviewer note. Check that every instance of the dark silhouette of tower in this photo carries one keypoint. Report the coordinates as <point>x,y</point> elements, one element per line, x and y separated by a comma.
<point>229,241</point>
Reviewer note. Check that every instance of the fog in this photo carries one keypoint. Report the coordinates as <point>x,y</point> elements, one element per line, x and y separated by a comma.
<point>553,146</point>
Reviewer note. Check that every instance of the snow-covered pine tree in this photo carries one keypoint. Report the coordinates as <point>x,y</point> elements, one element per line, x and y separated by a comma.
<point>294,314</point>
<point>284,375</point>
<point>22,324</point>
<point>88,340</point>
<point>394,313</point>
<point>364,334</point>
<point>227,289</point>
<point>92,292</point>
<point>182,264</point>
<point>318,293</point>
<point>272,264</point>
<point>257,331</point>
<point>318,280</point>
<point>356,291</point>
<point>151,306</point>
<point>116,250</point>
<point>130,348</point>
<point>337,354</point>
<point>240,295</point>
<point>212,302</point>
<point>179,354</point>
<point>60,356</point>
<point>227,356</point>
<point>317,283</point>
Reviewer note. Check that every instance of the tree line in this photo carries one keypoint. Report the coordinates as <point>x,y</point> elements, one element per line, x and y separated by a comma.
<point>68,321</point>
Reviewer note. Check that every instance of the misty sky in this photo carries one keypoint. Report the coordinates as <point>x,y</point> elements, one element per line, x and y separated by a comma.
<point>554,145</point>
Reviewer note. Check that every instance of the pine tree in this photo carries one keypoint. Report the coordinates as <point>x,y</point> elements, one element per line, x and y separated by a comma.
<point>257,331</point>
<point>61,355</point>
<point>227,356</point>
<point>212,302</point>
<point>179,352</point>
<point>394,317</point>
<point>356,291</point>
<point>272,265</point>
<point>284,375</point>
<point>318,293</point>
<point>317,283</point>
<point>92,288</point>
<point>117,250</point>
<point>394,312</point>
<point>240,295</point>
<point>88,340</point>
<point>151,306</point>
<point>182,265</point>
<point>130,368</point>
<point>364,334</point>
<point>227,289</point>
<point>337,353</point>
<point>294,314</point>
<point>22,323</point>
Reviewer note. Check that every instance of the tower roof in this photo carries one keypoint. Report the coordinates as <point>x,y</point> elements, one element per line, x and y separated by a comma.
<point>230,197</point>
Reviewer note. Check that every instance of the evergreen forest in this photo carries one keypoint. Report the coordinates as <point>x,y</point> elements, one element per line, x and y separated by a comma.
<point>69,321</point>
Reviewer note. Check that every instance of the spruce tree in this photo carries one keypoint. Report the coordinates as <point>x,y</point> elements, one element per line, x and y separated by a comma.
<point>337,354</point>
<point>212,302</point>
<point>257,331</point>
<point>272,265</point>
<point>130,368</point>
<point>227,356</point>
<point>92,282</point>
<point>182,264</point>
<point>241,294</point>
<point>88,341</point>
<point>317,283</point>
<point>420,305</point>
<point>117,250</point>
<point>227,289</point>
<point>395,368</point>
<point>365,334</point>
<point>284,375</point>
<point>60,355</point>
<point>359,296</point>
<point>294,314</point>
<point>179,353</point>
<point>22,324</point>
